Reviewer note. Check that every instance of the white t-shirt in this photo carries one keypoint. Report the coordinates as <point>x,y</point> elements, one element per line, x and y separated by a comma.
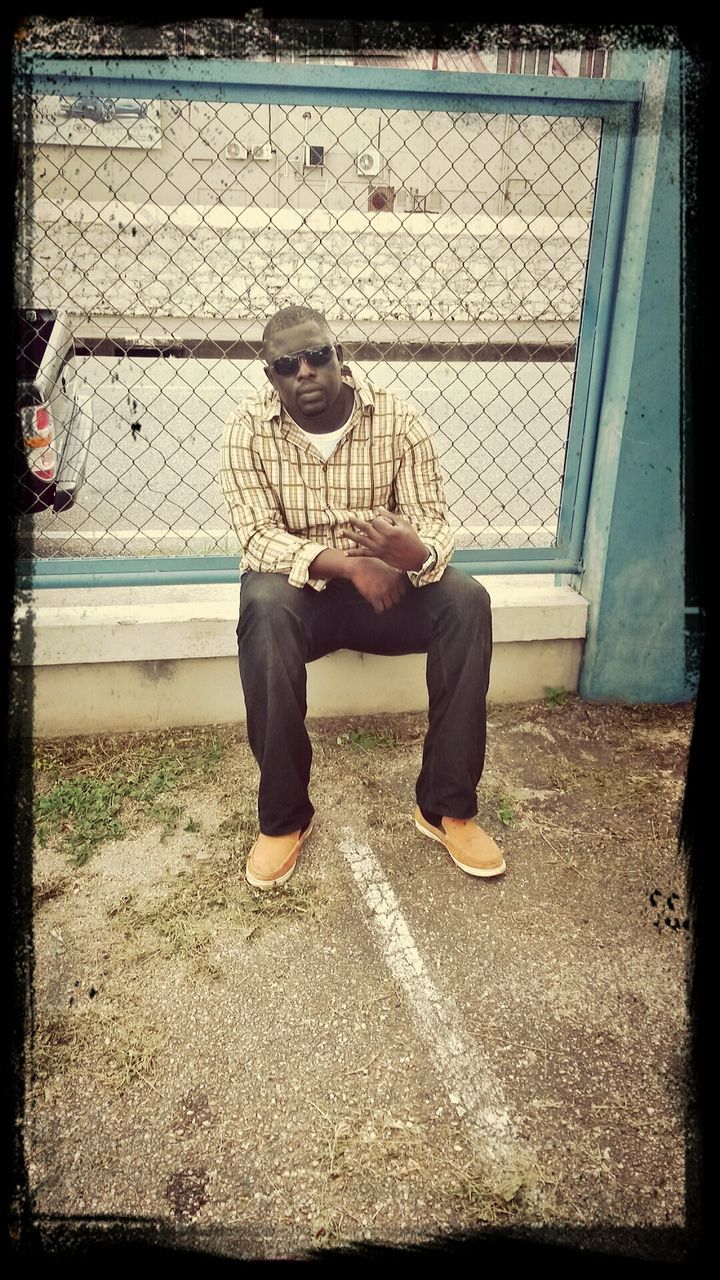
<point>324,443</point>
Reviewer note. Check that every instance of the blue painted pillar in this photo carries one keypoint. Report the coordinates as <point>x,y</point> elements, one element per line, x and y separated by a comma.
<point>633,559</point>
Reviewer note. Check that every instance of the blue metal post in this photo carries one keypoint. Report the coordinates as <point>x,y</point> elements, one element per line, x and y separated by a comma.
<point>633,559</point>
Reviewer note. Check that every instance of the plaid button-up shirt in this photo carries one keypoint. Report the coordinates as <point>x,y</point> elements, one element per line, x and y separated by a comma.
<point>287,503</point>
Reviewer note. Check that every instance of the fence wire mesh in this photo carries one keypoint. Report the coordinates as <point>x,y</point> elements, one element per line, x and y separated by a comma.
<point>447,250</point>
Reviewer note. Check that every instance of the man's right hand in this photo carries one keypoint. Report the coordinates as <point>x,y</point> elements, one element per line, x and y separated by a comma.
<point>377,583</point>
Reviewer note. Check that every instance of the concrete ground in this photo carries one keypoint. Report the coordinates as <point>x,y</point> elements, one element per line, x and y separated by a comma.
<point>385,1050</point>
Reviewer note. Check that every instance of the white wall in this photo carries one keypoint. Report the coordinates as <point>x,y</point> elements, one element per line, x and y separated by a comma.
<point>170,226</point>
<point>179,155</point>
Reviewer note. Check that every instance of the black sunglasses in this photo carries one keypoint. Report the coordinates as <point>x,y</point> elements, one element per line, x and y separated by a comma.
<point>286,365</point>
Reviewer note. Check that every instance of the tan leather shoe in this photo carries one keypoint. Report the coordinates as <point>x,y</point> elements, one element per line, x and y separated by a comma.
<point>272,859</point>
<point>469,846</point>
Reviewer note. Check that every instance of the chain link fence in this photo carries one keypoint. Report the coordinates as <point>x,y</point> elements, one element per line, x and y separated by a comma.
<point>447,250</point>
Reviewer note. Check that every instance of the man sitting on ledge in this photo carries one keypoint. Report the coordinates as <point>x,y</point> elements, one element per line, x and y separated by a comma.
<point>334,490</point>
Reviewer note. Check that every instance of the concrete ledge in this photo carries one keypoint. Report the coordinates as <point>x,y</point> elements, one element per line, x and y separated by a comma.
<point>117,659</point>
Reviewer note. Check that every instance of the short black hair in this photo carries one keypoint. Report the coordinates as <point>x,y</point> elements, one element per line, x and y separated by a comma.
<point>289,316</point>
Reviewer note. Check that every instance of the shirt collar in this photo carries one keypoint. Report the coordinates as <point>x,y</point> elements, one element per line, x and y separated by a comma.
<point>350,374</point>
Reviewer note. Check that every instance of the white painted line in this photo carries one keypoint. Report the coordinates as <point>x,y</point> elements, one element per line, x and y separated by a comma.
<point>472,1088</point>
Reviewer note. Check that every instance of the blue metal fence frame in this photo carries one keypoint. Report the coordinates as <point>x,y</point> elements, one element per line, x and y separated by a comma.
<point>615,102</point>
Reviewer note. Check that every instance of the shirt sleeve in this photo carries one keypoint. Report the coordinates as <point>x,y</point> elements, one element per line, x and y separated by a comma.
<point>256,512</point>
<point>420,497</point>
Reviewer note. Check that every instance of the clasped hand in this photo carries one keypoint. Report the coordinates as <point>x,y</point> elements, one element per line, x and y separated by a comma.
<point>389,537</point>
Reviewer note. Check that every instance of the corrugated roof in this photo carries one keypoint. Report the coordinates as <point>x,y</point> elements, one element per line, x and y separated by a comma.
<point>422,59</point>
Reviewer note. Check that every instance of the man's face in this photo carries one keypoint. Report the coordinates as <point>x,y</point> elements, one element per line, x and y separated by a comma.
<point>310,393</point>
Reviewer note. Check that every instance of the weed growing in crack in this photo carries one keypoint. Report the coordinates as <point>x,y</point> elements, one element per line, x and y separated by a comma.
<point>555,697</point>
<point>506,810</point>
<point>498,801</point>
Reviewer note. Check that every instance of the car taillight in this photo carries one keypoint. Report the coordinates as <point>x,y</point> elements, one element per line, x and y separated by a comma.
<point>37,425</point>
<point>43,463</point>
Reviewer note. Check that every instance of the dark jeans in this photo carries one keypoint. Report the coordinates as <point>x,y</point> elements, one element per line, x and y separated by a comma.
<point>281,628</point>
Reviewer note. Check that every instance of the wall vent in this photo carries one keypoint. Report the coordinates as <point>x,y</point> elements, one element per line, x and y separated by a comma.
<point>381,199</point>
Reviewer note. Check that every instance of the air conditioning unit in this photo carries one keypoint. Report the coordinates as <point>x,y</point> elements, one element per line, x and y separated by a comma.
<point>236,151</point>
<point>369,162</point>
<point>263,152</point>
<point>314,157</point>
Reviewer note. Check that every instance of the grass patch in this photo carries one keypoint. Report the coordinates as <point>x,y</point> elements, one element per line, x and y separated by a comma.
<point>166,815</point>
<point>241,823</point>
<point>602,779</point>
<point>377,1151</point>
<point>386,1156</point>
<point>83,808</point>
<point>496,1195</point>
<point>367,739</point>
<point>555,697</point>
<point>381,1147</point>
<point>399,825</point>
<point>96,755</point>
<point>83,812</point>
<point>567,776</point>
<point>114,1050</point>
<point>54,1046</point>
<point>205,902</point>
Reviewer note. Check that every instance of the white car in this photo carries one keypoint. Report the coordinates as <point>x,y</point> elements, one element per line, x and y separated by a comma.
<point>54,419</point>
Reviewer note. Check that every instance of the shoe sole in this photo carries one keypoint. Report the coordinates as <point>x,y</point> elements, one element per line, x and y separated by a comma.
<point>257,883</point>
<point>484,873</point>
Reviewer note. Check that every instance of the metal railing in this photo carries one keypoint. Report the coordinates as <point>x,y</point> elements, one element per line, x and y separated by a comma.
<point>459,231</point>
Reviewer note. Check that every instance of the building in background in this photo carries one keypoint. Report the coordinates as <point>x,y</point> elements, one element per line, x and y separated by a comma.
<point>322,41</point>
<point>306,40</point>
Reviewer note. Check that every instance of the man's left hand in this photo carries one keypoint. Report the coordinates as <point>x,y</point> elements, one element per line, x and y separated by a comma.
<point>389,537</point>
